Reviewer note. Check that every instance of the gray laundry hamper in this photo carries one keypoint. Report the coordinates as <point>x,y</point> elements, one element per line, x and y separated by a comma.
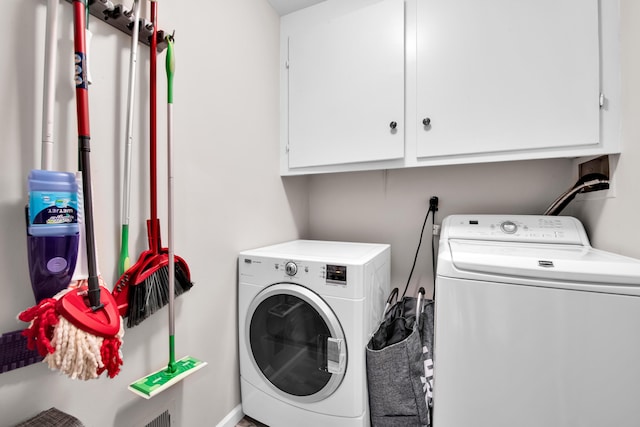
<point>400,364</point>
<point>51,418</point>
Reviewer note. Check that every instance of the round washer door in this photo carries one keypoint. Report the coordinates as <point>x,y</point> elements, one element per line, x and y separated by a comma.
<point>296,342</point>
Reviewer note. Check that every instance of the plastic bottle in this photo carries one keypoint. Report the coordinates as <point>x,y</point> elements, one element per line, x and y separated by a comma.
<point>53,203</point>
<point>52,231</point>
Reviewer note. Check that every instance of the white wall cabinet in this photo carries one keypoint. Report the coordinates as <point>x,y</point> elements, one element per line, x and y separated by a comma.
<point>346,88</point>
<point>507,75</point>
<point>464,81</point>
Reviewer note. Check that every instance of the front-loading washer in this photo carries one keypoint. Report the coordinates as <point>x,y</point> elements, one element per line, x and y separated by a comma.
<point>306,310</point>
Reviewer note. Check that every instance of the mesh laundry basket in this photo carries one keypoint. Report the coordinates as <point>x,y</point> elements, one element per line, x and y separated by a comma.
<point>51,418</point>
<point>400,365</point>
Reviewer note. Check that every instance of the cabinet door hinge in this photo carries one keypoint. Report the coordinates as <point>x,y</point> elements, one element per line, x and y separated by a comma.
<point>601,100</point>
<point>286,64</point>
<point>286,149</point>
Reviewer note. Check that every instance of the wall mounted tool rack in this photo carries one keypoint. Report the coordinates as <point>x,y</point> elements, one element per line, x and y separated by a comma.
<point>121,18</point>
<point>13,346</point>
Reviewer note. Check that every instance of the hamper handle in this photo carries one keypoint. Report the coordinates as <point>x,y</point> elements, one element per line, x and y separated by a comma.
<point>419,307</point>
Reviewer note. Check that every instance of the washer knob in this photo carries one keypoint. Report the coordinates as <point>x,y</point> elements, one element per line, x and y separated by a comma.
<point>509,227</point>
<point>291,268</point>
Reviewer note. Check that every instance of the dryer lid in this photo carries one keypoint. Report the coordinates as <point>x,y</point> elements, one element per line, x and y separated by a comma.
<point>569,263</point>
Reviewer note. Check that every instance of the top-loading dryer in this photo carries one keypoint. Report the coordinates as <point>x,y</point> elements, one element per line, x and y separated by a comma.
<point>533,327</point>
<point>306,311</point>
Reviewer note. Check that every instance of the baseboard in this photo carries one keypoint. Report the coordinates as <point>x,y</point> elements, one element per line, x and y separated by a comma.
<point>232,417</point>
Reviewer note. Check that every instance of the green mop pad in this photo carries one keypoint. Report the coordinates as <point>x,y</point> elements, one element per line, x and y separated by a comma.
<point>162,379</point>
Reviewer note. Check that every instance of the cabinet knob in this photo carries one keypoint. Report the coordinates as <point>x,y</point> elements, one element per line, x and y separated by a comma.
<point>426,121</point>
<point>393,125</point>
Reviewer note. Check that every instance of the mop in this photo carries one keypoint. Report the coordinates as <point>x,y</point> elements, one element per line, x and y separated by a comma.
<point>52,230</point>
<point>79,330</point>
<point>175,371</point>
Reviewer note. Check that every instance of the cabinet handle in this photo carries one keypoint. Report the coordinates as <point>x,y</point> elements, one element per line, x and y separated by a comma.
<point>426,121</point>
<point>393,125</point>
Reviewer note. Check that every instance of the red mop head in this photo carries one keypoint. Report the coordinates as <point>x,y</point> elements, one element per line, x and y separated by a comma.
<point>43,318</point>
<point>66,343</point>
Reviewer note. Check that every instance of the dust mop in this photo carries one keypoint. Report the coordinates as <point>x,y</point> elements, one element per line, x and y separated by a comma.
<point>176,370</point>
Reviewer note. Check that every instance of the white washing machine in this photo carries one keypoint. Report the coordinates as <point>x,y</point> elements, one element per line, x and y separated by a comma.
<point>306,311</point>
<point>533,326</point>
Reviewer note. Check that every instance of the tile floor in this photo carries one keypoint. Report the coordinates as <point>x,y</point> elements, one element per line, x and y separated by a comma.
<point>250,422</point>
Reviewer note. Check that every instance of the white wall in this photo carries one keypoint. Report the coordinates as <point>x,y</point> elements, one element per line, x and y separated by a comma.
<point>390,206</point>
<point>229,195</point>
<point>612,222</point>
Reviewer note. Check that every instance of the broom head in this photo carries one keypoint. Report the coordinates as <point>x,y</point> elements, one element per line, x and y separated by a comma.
<point>144,288</point>
<point>121,288</point>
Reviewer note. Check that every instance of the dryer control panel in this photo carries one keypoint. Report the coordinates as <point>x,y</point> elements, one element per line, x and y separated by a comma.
<point>515,228</point>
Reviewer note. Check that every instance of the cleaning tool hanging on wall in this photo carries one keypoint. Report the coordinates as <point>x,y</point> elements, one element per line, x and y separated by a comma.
<point>143,289</point>
<point>123,262</point>
<point>175,371</point>
<point>52,229</point>
<point>79,329</point>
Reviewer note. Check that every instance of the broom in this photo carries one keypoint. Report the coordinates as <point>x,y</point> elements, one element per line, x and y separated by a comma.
<point>79,330</point>
<point>143,289</point>
<point>175,371</point>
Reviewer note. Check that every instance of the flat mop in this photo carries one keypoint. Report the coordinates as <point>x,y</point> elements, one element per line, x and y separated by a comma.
<point>175,371</point>
<point>52,229</point>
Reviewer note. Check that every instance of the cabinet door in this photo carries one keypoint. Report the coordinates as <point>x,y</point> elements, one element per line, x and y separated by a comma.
<point>505,75</point>
<point>346,88</point>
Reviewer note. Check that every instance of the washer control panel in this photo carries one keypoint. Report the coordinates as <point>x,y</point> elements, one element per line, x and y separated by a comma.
<point>515,228</point>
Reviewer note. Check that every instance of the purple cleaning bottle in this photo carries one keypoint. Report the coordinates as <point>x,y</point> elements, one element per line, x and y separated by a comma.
<point>52,231</point>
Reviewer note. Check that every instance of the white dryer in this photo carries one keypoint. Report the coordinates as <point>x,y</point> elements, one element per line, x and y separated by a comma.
<point>533,326</point>
<point>306,311</point>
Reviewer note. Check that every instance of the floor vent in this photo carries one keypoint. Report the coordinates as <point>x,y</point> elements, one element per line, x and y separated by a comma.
<point>162,420</point>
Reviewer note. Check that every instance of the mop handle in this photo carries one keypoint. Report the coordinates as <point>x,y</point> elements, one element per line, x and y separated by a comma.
<point>126,190</point>
<point>170,65</point>
<point>84,147</point>
<point>49,91</point>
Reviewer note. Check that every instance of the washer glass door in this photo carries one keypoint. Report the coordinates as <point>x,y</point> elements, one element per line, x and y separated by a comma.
<point>296,342</point>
